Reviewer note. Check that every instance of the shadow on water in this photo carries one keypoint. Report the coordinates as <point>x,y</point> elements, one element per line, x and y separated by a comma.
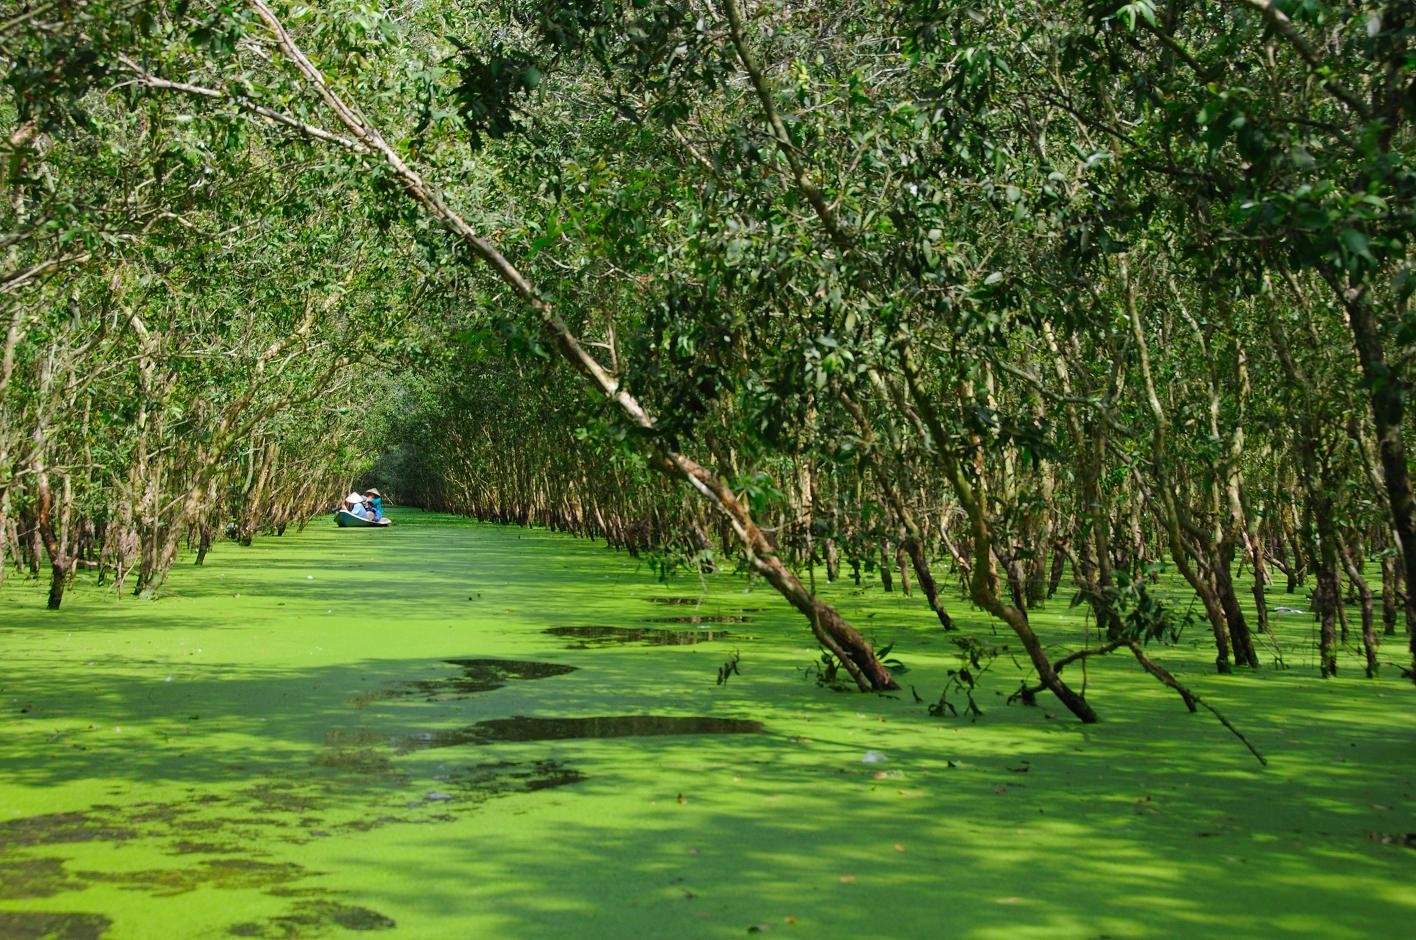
<point>598,637</point>
<point>704,618</point>
<point>521,728</point>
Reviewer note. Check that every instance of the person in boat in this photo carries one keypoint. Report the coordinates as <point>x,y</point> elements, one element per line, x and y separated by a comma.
<point>355,504</point>
<point>373,502</point>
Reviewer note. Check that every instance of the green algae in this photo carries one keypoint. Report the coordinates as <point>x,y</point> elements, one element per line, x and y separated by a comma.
<point>146,742</point>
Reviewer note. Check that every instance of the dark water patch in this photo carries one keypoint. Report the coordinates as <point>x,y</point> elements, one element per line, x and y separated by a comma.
<point>360,760</point>
<point>186,847</point>
<point>504,669</point>
<point>227,873</point>
<point>61,828</point>
<point>284,797</point>
<point>483,781</point>
<point>286,891</point>
<point>353,737</point>
<point>155,812</point>
<point>1407,839</point>
<point>313,918</point>
<point>354,749</point>
<point>478,675</point>
<point>598,637</point>
<point>704,618</point>
<point>521,729</point>
<point>34,878</point>
<point>52,925</point>
<point>676,601</point>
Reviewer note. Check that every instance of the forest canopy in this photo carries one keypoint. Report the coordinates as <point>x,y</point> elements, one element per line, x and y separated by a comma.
<point>1049,296</point>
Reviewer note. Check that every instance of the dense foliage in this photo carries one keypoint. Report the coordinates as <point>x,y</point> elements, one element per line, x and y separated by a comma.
<point>1048,295</point>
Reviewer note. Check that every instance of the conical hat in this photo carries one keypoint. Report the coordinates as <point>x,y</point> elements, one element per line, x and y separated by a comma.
<point>353,498</point>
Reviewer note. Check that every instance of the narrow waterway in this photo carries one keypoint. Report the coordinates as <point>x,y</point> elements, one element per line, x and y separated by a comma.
<point>446,729</point>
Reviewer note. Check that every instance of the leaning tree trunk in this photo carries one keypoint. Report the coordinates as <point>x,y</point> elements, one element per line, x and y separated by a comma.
<point>983,574</point>
<point>845,642</point>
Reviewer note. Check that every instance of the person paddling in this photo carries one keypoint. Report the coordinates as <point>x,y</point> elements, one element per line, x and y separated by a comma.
<point>373,500</point>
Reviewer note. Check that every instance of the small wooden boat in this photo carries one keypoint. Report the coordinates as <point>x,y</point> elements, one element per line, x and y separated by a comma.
<point>347,519</point>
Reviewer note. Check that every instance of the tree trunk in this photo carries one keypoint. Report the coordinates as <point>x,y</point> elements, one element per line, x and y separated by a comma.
<point>1388,392</point>
<point>1239,634</point>
<point>983,580</point>
<point>1256,548</point>
<point>1389,594</point>
<point>55,538</point>
<point>886,580</point>
<point>1059,568</point>
<point>1364,598</point>
<point>927,584</point>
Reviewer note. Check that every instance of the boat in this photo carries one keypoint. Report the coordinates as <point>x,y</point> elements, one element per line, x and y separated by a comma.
<point>347,520</point>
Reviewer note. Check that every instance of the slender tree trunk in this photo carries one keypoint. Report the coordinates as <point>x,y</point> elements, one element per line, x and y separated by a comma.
<point>902,563</point>
<point>1364,597</point>
<point>1390,590</point>
<point>1059,568</point>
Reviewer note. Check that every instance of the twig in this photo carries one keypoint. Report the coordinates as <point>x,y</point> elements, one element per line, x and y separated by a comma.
<point>215,94</point>
<point>1282,25</point>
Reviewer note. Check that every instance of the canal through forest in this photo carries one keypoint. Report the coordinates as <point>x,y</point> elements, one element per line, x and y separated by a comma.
<point>453,729</point>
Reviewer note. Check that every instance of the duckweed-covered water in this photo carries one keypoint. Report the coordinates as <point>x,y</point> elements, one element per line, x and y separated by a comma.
<point>253,755</point>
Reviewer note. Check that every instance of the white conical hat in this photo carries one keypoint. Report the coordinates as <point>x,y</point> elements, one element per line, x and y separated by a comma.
<point>353,498</point>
